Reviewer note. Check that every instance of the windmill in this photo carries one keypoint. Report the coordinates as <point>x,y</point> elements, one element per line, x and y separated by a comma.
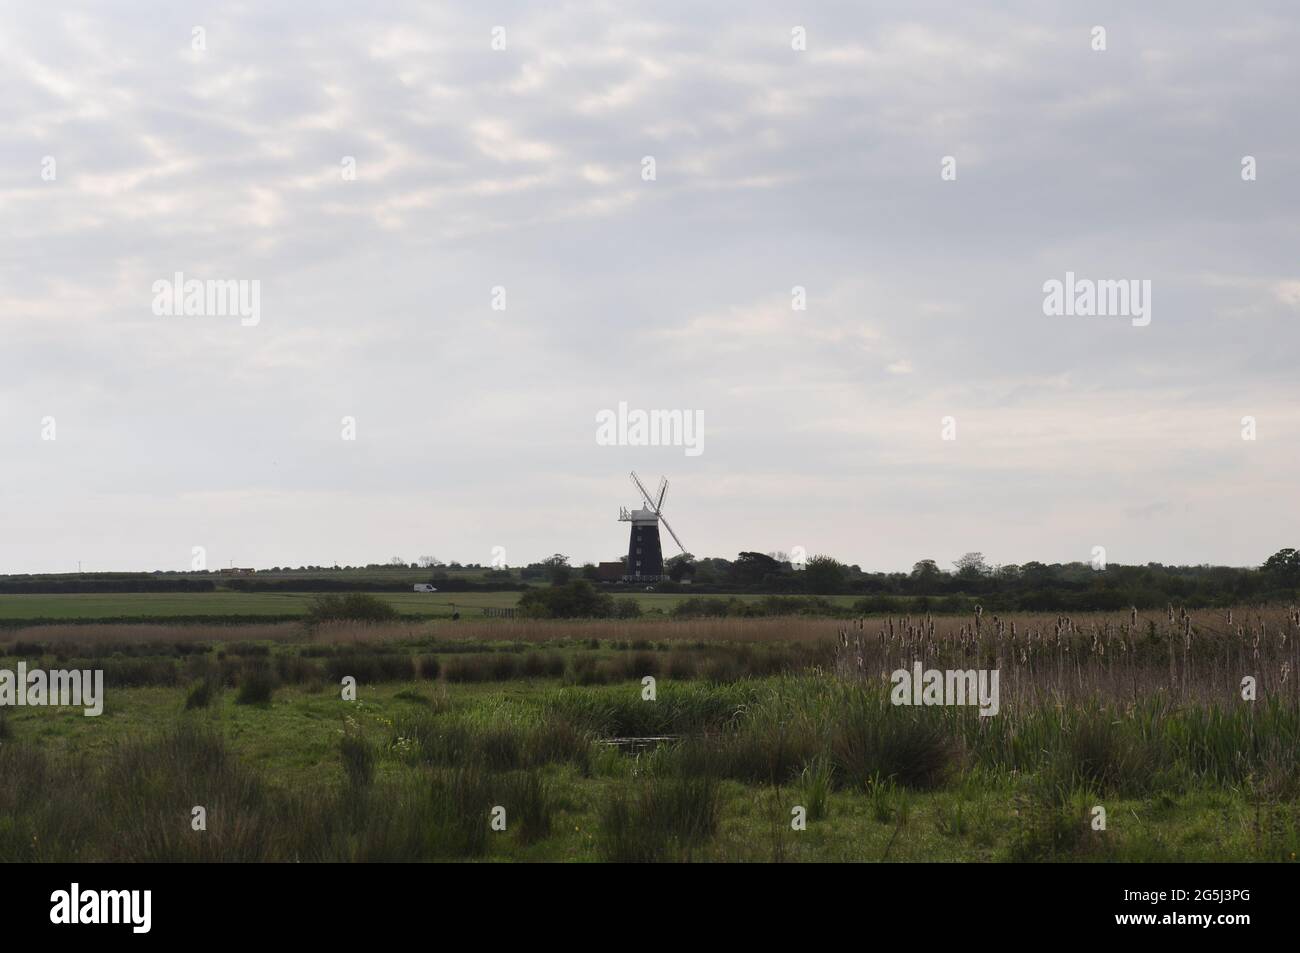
<point>645,558</point>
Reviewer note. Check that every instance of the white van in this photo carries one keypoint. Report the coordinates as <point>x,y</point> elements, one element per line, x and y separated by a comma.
<point>424,587</point>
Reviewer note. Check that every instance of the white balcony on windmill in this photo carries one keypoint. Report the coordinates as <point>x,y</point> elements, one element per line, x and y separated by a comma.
<point>641,517</point>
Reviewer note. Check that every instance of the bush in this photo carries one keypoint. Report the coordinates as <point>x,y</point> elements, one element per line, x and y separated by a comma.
<point>349,607</point>
<point>574,600</point>
<point>702,607</point>
<point>257,685</point>
<point>627,608</point>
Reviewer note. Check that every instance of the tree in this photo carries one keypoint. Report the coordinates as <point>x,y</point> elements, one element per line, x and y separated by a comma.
<point>558,569</point>
<point>1034,574</point>
<point>679,567</point>
<point>1284,566</point>
<point>972,566</point>
<point>824,575</point>
<point>750,569</point>
<point>926,573</point>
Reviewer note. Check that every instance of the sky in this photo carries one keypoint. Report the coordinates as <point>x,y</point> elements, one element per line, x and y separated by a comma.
<point>462,259</point>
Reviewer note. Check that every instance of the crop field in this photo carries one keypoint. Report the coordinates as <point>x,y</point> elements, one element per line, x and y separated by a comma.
<point>1120,736</point>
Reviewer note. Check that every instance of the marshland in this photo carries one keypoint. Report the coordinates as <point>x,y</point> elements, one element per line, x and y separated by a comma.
<point>1135,735</point>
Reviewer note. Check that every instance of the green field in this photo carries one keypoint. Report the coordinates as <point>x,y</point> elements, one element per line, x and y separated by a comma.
<point>277,786</point>
<point>245,605</point>
<point>260,605</point>
<point>717,758</point>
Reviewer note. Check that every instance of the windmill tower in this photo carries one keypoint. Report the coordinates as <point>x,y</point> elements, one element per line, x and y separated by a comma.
<point>645,558</point>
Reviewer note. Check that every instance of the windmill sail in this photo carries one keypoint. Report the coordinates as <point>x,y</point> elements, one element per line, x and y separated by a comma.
<point>645,561</point>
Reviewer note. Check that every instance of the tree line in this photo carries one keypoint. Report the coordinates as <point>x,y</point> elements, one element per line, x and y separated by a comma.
<point>1031,586</point>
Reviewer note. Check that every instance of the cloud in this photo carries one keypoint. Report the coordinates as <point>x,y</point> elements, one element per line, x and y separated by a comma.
<point>520,168</point>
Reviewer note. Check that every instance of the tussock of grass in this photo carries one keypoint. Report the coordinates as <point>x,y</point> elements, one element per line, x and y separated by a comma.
<point>529,803</point>
<point>202,694</point>
<point>816,781</point>
<point>358,757</point>
<point>257,685</point>
<point>677,708</point>
<point>494,742</point>
<point>872,739</point>
<point>659,819</point>
<point>370,668</point>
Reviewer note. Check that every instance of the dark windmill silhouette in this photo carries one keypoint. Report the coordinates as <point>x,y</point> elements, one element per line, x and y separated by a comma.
<point>645,558</point>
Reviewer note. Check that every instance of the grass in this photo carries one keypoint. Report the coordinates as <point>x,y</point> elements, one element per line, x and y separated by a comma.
<point>158,661</point>
<point>659,819</point>
<point>254,606</point>
<point>711,769</point>
<point>311,777</point>
<point>246,605</point>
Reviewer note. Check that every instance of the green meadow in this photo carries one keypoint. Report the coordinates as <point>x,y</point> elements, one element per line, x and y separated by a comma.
<point>562,751</point>
<point>255,606</point>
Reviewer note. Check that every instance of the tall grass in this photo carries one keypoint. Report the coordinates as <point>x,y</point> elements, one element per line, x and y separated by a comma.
<point>494,740</point>
<point>816,781</point>
<point>659,819</point>
<point>767,732</point>
<point>1102,708</point>
<point>257,685</point>
<point>358,756</point>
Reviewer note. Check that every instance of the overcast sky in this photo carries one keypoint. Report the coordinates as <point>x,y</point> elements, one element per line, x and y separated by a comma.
<point>522,168</point>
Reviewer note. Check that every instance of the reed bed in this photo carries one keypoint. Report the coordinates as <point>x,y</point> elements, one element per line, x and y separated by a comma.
<point>1094,709</point>
<point>1021,630</point>
<point>418,785</point>
<point>1196,657</point>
